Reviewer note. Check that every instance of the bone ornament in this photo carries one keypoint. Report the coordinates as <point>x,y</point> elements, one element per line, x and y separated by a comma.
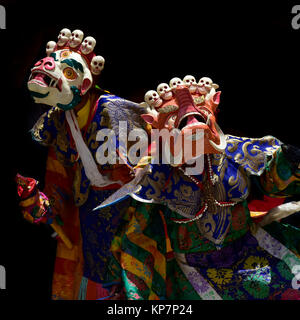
<point>63,37</point>
<point>97,65</point>
<point>153,99</point>
<point>50,47</point>
<point>88,45</point>
<point>164,91</point>
<point>73,41</point>
<point>207,87</point>
<point>174,82</point>
<point>191,83</point>
<point>76,38</point>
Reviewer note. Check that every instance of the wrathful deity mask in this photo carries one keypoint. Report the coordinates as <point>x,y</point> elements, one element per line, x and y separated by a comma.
<point>68,71</point>
<point>186,107</point>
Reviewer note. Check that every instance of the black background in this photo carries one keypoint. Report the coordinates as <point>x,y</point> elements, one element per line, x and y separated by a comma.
<point>249,48</point>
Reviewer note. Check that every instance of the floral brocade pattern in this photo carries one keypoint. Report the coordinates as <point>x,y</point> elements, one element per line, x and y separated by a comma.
<point>249,273</point>
<point>239,269</point>
<point>243,157</point>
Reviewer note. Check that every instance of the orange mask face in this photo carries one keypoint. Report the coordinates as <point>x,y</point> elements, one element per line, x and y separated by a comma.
<point>194,116</point>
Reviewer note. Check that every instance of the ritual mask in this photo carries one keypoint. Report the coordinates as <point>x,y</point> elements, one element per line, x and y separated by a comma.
<point>66,74</point>
<point>191,112</point>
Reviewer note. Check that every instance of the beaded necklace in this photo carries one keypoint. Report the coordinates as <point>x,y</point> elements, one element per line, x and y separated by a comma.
<point>209,201</point>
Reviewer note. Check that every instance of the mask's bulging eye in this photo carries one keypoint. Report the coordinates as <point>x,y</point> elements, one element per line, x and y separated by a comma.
<point>69,73</point>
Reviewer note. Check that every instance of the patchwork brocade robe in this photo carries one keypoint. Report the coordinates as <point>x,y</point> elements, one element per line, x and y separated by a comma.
<point>168,251</point>
<point>79,273</point>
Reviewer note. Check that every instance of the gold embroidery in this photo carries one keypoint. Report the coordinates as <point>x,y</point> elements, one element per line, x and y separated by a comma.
<point>157,183</point>
<point>105,119</point>
<point>221,162</point>
<point>38,127</point>
<point>215,218</point>
<point>240,182</point>
<point>92,143</point>
<point>80,198</point>
<point>252,159</point>
<point>232,145</point>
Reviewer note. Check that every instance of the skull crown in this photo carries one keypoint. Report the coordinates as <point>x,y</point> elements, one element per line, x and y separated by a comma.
<point>75,41</point>
<point>204,87</point>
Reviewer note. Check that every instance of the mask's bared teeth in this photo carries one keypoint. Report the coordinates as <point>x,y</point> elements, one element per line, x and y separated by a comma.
<point>208,120</point>
<point>59,84</point>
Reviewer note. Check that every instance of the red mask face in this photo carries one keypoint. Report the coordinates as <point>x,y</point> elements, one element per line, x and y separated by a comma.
<point>194,116</point>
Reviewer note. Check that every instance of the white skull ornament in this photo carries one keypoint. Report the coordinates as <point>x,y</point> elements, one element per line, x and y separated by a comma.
<point>174,82</point>
<point>63,37</point>
<point>207,87</point>
<point>76,38</point>
<point>152,99</point>
<point>164,91</point>
<point>88,45</point>
<point>190,82</point>
<point>97,65</point>
<point>50,47</point>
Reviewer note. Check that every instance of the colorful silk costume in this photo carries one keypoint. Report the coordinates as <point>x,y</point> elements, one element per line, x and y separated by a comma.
<point>231,257</point>
<point>182,237</point>
<point>66,174</point>
<point>66,81</point>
